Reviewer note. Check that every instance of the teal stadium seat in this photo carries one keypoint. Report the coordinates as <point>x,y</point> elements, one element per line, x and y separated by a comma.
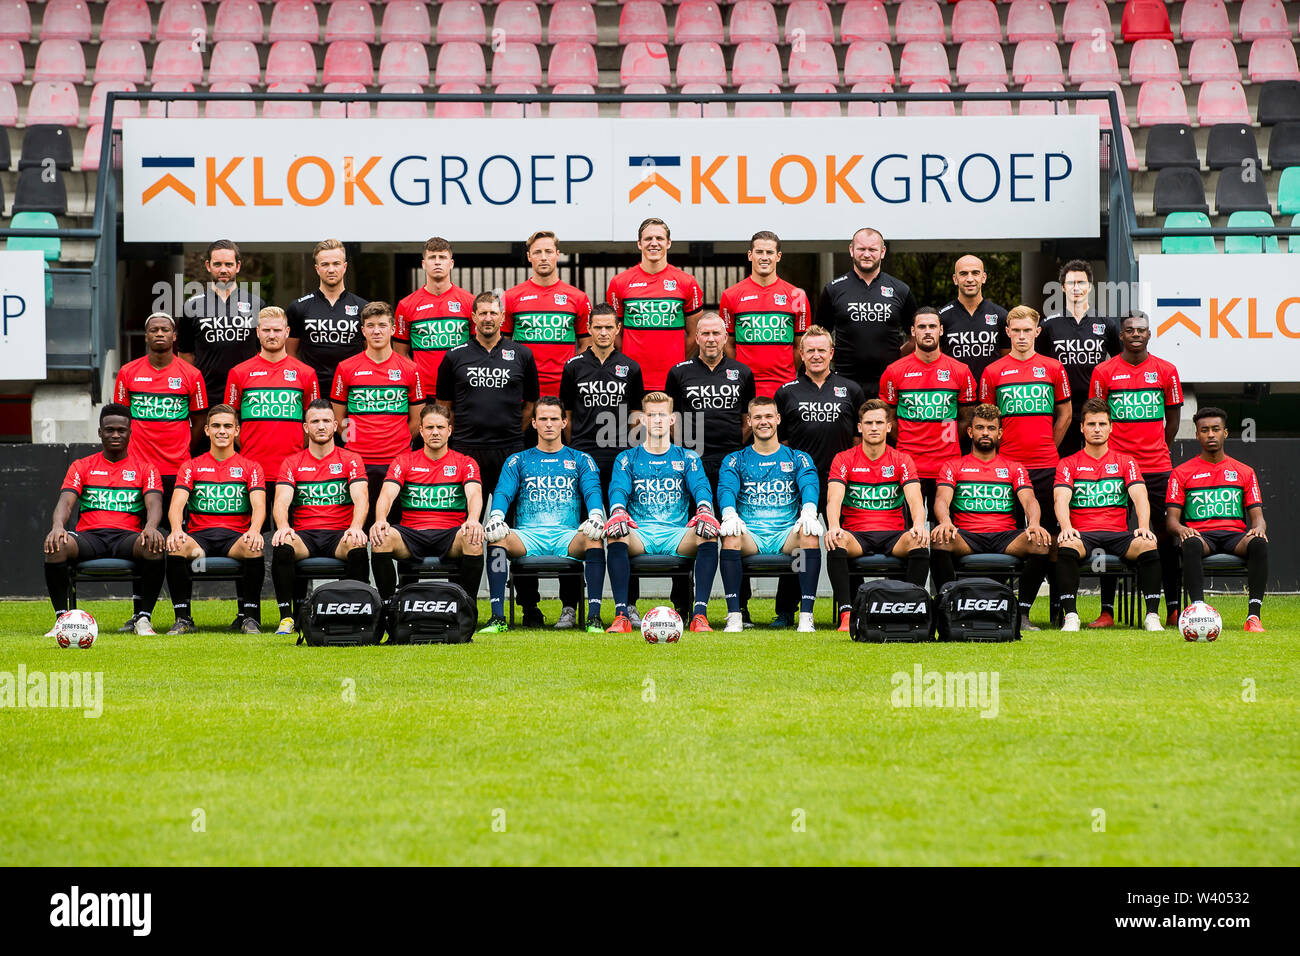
<point>1293,242</point>
<point>49,246</point>
<point>1288,191</point>
<point>1187,245</point>
<point>1250,244</point>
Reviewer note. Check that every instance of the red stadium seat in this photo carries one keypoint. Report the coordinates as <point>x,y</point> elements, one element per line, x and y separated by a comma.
<point>177,109</point>
<point>291,61</point>
<point>348,61</point>
<point>1145,20</point>
<point>99,102</point>
<point>1272,58</point>
<point>404,61</point>
<point>516,110</point>
<point>809,20</point>
<point>864,20</point>
<point>574,62</point>
<point>460,63</point>
<point>986,107</point>
<point>1222,101</point>
<point>239,20</point>
<point>1153,60</point>
<point>120,61</point>
<point>696,21</point>
<point>752,21</point>
<point>756,63</point>
<point>350,20</point>
<point>348,110</point>
<point>712,110</point>
<point>59,60</point>
<point>516,63</point>
<point>16,20</point>
<point>642,21</point>
<point>13,65</point>
<point>287,109</point>
<point>866,108</point>
<point>815,63</point>
<point>1213,60</point>
<point>1263,18</point>
<point>700,62</point>
<point>1088,63</point>
<point>642,63</point>
<point>919,20</point>
<point>517,21</point>
<point>936,108</point>
<point>923,61</point>
<point>232,109</point>
<point>573,110</point>
<point>575,20</point>
<point>1043,107</point>
<point>406,20</point>
<point>386,109</point>
<point>826,110</point>
<point>1204,20</point>
<point>1031,20</point>
<point>657,110</point>
<point>452,110</point>
<point>90,153</point>
<point>1160,102</point>
<point>235,61</point>
<point>182,20</point>
<point>869,61</point>
<point>759,110</point>
<point>1101,107</point>
<point>53,103</point>
<point>981,61</point>
<point>66,20</point>
<point>294,20</point>
<point>976,20</point>
<point>126,20</point>
<point>1085,19</point>
<point>1037,60</point>
<point>461,21</point>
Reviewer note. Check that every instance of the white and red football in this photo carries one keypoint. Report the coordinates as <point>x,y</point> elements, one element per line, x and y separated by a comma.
<point>1200,622</point>
<point>76,628</point>
<point>661,625</point>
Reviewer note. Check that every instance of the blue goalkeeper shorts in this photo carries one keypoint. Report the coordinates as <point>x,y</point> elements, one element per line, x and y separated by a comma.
<point>660,538</point>
<point>547,542</point>
<point>769,538</point>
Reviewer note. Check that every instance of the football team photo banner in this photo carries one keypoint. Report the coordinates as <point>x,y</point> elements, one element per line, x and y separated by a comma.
<point>373,180</point>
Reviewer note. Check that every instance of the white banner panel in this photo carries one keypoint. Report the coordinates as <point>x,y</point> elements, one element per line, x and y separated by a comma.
<point>1223,318</point>
<point>22,316</point>
<point>595,180</point>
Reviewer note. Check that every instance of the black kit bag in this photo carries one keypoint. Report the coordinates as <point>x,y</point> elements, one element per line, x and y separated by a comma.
<point>886,611</point>
<point>977,609</point>
<point>432,612</point>
<point>343,614</point>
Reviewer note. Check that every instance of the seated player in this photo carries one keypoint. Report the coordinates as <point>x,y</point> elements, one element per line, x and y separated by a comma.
<point>551,487</point>
<point>975,506</point>
<point>653,487</point>
<point>225,495</point>
<point>768,495</point>
<point>441,498</point>
<point>326,487</point>
<point>867,487</point>
<point>1093,490</point>
<point>118,497</point>
<point>1209,500</point>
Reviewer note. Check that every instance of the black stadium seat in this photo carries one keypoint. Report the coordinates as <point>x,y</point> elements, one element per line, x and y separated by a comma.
<point>1231,145</point>
<point>1171,144</point>
<point>1279,102</point>
<point>34,194</point>
<point>1237,193</point>
<point>46,142</point>
<point>1179,189</point>
<point>1284,146</point>
<point>5,159</point>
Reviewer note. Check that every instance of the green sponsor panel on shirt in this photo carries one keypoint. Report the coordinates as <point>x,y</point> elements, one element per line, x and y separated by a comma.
<point>450,497</point>
<point>219,498</point>
<point>1106,493</point>
<point>439,335</point>
<point>544,327</point>
<point>1137,405</point>
<point>653,314</point>
<point>985,497</point>
<point>927,405</point>
<point>130,500</point>
<point>378,400</point>
<point>321,494</point>
<point>1203,504</point>
<point>1026,398</point>
<point>271,404</point>
<point>764,328</point>
<point>875,497</point>
<point>146,407</point>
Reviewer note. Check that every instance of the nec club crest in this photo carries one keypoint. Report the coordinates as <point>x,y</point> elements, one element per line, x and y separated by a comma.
<point>128,476</point>
<point>1230,475</point>
<point>351,309</point>
<point>174,382</point>
<point>449,470</point>
<point>236,472</point>
<point>1151,377</point>
<point>1040,372</point>
<point>990,319</point>
<point>569,465</point>
<point>887,291</point>
<point>670,285</point>
<point>945,374</point>
<point>1098,328</point>
<point>621,370</point>
<point>453,306</point>
<point>887,471</point>
<point>780,298</point>
<point>733,374</point>
<point>336,468</point>
<point>291,375</point>
<point>1002,472</point>
<point>561,298</point>
<point>679,466</point>
<point>841,391</point>
<point>1112,468</point>
<point>394,374</point>
<point>787,466</point>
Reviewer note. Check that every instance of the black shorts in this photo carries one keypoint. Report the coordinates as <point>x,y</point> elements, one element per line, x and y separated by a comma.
<point>432,543</point>
<point>216,542</point>
<point>321,542</point>
<point>168,483</point>
<point>604,459</point>
<point>1111,542</point>
<point>1044,482</point>
<point>490,460</point>
<point>1223,542</point>
<point>877,542</point>
<point>989,542</point>
<point>105,543</point>
<point>1157,483</point>
<point>375,475</point>
<point>929,488</point>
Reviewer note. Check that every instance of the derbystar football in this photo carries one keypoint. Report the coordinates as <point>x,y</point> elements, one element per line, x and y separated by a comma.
<point>76,628</point>
<point>1200,622</point>
<point>661,625</point>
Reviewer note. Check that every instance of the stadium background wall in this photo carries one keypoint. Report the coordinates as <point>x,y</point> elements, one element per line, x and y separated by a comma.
<point>33,473</point>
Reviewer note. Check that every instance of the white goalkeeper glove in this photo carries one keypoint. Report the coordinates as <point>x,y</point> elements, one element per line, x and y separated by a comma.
<point>496,527</point>
<point>732,524</point>
<point>594,526</point>
<point>809,523</point>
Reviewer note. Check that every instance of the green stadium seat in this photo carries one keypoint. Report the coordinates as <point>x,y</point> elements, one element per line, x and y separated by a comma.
<point>1250,244</point>
<point>50,247</point>
<point>1187,245</point>
<point>1288,191</point>
<point>1293,242</point>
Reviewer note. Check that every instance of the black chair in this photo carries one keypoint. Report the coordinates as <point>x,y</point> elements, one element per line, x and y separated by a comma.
<point>1171,144</point>
<point>1238,192</point>
<point>1128,597</point>
<point>672,566</point>
<point>34,194</point>
<point>100,570</point>
<point>5,158</point>
<point>307,572</point>
<point>415,569</point>
<point>1219,566</point>
<point>1179,189</point>
<point>1006,568</point>
<point>1284,146</point>
<point>1279,102</point>
<point>43,143</point>
<point>1231,145</point>
<point>545,566</point>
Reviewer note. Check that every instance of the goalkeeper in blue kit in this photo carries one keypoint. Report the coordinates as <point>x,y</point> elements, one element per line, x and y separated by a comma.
<point>653,491</point>
<point>768,495</point>
<point>551,487</point>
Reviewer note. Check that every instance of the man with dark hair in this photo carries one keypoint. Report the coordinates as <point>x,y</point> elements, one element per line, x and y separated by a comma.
<point>435,318</point>
<point>974,329</point>
<point>766,316</point>
<point>1209,501</point>
<point>214,331</point>
<point>119,504</point>
<point>549,316</point>
<point>224,494</point>
<point>325,324</point>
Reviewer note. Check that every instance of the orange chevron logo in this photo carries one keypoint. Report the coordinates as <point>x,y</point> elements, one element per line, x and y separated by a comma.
<point>168,182</point>
<point>654,179</point>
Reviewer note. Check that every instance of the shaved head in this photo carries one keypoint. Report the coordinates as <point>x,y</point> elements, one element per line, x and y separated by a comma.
<point>969,262</point>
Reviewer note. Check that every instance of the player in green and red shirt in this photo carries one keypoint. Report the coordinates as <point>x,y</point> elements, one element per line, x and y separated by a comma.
<point>549,316</point>
<point>866,489</point>
<point>766,317</point>
<point>225,495</point>
<point>1093,490</point>
<point>436,317</point>
<point>442,500</point>
<point>377,397</point>
<point>118,498</point>
<point>658,305</point>
<point>1209,502</point>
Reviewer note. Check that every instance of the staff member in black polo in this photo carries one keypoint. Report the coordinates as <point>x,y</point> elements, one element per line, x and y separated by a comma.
<point>215,331</point>
<point>869,313</point>
<point>325,325</point>
<point>974,329</point>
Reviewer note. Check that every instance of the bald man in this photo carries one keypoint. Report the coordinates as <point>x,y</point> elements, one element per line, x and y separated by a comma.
<point>974,329</point>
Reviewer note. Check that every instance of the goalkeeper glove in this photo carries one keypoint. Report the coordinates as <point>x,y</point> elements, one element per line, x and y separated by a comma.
<point>620,523</point>
<point>496,527</point>
<point>809,523</point>
<point>732,524</point>
<point>594,526</point>
<point>704,525</point>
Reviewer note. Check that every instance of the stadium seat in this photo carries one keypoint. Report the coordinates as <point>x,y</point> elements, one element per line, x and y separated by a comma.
<point>1145,20</point>
<point>37,192</point>
<point>182,20</point>
<point>868,108</point>
<point>752,21</point>
<point>460,63</point>
<point>1204,20</point>
<point>348,61</point>
<point>125,20</point>
<point>16,20</point>
<point>351,20</point>
<point>44,143</point>
<point>178,61</point>
<point>535,567</point>
<point>1031,20</point>
<point>701,110</point>
<point>230,109</point>
<point>864,20</point>
<point>1088,63</point>
<point>929,108</point>
<point>120,61</point>
<point>574,62</point>
<point>659,109</point>
<point>1238,191</point>
<point>1162,103</point>
<point>49,247</point>
<point>642,63</point>
<point>869,61</point>
<point>976,20</point>
<point>1153,60</point>
<point>59,60</point>
<point>1292,241</point>
<point>575,20</point>
<point>1279,102</point>
<point>291,61</point>
<point>516,110</point>
<point>90,154</point>
<point>405,21</point>
<point>66,20</point>
<point>1086,19</point>
<point>1222,101</point>
<point>1037,61</point>
<point>919,20</point>
<point>175,109</point>
<point>53,102</point>
<point>454,110</point>
<point>239,20</point>
<point>13,65</point>
<point>99,103</point>
<point>642,21</point>
<point>235,61</point>
<point>1171,144</point>
<point>810,20</point>
<point>699,62</point>
<point>1213,60</point>
<point>1179,189</point>
<point>986,107</point>
<point>1187,245</point>
<point>1100,107</point>
<point>8,110</point>
<point>287,109</point>
<point>1250,245</point>
<point>1283,146</point>
<point>461,21</point>
<point>981,61</point>
<point>518,21</point>
<point>824,110</point>
<point>1263,18</point>
<point>573,110</point>
<point>815,63</point>
<point>696,21</point>
<point>1272,58</point>
<point>350,110</point>
<point>516,63</point>
<point>1230,145</point>
<point>404,61</point>
<point>388,109</point>
<point>1130,152</point>
<point>923,61</point>
<point>756,63</point>
<point>759,110</point>
<point>1288,191</point>
<point>294,20</point>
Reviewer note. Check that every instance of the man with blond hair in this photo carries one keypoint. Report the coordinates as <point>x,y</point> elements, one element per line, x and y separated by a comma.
<point>325,324</point>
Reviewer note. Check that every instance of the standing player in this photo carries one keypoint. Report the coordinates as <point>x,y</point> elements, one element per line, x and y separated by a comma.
<point>377,397</point>
<point>119,504</point>
<point>552,488</point>
<point>658,305</point>
<point>974,329</point>
<point>869,312</point>
<point>654,487</point>
<point>325,325</point>
<point>867,488</point>
<point>326,487</point>
<point>768,495</point>
<point>224,495</point>
<point>766,316</point>
<point>435,318</point>
<point>549,316</point>
<point>1210,499</point>
<point>215,329</point>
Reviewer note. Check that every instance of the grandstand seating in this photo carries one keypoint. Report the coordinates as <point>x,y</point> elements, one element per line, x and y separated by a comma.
<point>516,62</point>
<point>517,21</point>
<point>575,20</point>
<point>864,20</point>
<point>294,20</point>
<point>1230,145</point>
<point>125,20</point>
<point>1250,244</point>
<point>405,20</point>
<point>642,21</point>
<point>1171,144</point>
<point>238,20</point>
<point>1284,146</point>
<point>462,21</point>
<point>1187,245</point>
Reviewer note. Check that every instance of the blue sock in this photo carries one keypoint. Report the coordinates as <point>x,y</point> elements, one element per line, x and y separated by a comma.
<point>809,574</point>
<point>620,569</point>
<point>732,574</point>
<point>706,567</point>
<point>498,569</point>
<point>594,564</point>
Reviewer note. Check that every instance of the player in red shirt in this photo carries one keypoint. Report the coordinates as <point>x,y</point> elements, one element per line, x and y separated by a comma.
<point>975,505</point>
<point>766,317</point>
<point>442,500</point>
<point>225,495</point>
<point>377,398</point>
<point>866,489</point>
<point>1145,398</point>
<point>658,305</point>
<point>118,498</point>
<point>1209,501</point>
<point>1093,490</point>
<point>549,316</point>
<point>436,317</point>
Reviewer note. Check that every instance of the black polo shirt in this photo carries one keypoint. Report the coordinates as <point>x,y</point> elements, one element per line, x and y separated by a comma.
<point>869,322</point>
<point>327,334</point>
<point>487,391</point>
<point>220,333</point>
<point>1080,346</point>
<point>820,420</point>
<point>977,338</point>
<point>600,396</point>
<point>717,398</point>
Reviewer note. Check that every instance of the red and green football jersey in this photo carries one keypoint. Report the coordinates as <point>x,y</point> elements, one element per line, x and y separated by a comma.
<point>432,492</point>
<point>1099,487</point>
<point>873,490</point>
<point>161,400</point>
<point>379,396</point>
<point>1138,396</point>
<point>272,399</point>
<point>984,492</point>
<point>322,488</point>
<point>765,320</point>
<point>549,319</point>
<point>1027,393</point>
<point>1214,496</point>
<point>433,325</point>
<point>220,491</point>
<point>653,309</point>
<point>110,494</point>
<point>926,396</point>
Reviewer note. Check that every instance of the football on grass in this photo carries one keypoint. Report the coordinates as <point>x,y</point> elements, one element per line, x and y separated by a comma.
<point>661,625</point>
<point>76,628</point>
<point>1200,622</point>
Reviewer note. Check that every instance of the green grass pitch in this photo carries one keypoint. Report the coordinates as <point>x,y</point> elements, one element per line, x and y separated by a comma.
<point>542,747</point>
